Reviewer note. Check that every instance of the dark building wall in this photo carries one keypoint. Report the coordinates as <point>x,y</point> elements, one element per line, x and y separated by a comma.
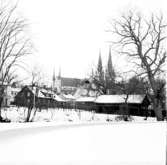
<point>88,106</point>
<point>122,109</point>
<point>25,98</point>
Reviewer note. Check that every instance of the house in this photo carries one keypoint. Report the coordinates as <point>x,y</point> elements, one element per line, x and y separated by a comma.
<point>8,93</point>
<point>135,105</point>
<point>115,104</point>
<point>36,97</point>
<point>85,103</point>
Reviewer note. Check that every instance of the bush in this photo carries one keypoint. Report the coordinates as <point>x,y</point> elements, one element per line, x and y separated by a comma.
<point>124,118</point>
<point>2,120</point>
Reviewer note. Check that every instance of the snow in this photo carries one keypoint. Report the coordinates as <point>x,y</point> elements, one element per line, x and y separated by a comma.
<point>119,99</point>
<point>84,144</point>
<point>57,98</point>
<point>65,115</point>
<point>68,96</point>
<point>86,99</point>
<point>41,95</point>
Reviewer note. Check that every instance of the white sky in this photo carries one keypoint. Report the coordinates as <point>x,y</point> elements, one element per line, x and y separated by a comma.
<point>69,33</point>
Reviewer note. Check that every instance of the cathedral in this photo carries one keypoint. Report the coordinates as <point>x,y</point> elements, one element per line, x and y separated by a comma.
<point>65,85</point>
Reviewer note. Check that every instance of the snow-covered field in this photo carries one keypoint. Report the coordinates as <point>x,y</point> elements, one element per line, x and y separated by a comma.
<point>95,143</point>
<point>60,115</point>
<point>69,137</point>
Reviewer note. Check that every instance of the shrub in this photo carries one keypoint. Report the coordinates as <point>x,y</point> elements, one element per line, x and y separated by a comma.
<point>124,118</point>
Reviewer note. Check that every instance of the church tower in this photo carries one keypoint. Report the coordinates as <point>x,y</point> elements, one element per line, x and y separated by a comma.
<point>110,68</point>
<point>58,82</point>
<point>53,80</point>
<point>59,75</point>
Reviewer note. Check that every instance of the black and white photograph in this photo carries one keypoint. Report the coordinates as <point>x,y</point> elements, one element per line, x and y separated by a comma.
<point>83,82</point>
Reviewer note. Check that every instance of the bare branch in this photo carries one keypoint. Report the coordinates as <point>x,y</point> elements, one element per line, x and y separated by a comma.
<point>13,42</point>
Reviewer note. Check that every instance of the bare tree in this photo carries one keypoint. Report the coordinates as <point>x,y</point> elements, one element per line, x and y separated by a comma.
<point>11,78</point>
<point>36,75</point>
<point>13,43</point>
<point>36,79</point>
<point>143,41</point>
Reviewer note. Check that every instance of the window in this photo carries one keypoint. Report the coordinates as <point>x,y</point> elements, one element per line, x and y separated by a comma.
<point>28,94</point>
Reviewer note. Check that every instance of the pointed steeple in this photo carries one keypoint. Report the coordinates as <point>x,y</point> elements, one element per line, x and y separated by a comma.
<point>99,65</point>
<point>53,80</point>
<point>110,68</point>
<point>58,81</point>
<point>110,60</point>
<point>59,75</point>
<point>100,72</point>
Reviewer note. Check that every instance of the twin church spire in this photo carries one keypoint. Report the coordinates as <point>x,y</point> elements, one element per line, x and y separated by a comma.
<point>109,71</point>
<point>56,81</point>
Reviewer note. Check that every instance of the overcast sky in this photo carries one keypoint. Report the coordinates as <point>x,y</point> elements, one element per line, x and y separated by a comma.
<point>69,33</point>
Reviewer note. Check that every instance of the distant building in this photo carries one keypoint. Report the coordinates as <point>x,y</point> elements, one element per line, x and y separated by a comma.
<point>65,85</point>
<point>136,105</point>
<point>8,93</point>
<point>36,97</point>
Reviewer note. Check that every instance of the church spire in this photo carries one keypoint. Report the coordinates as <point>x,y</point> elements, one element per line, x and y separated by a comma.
<point>110,68</point>
<point>110,65</point>
<point>59,75</point>
<point>53,79</point>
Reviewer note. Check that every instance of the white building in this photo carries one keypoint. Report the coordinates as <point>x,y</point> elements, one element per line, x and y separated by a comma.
<point>9,94</point>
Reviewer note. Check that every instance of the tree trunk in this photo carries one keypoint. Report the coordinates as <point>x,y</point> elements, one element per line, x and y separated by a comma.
<point>28,115</point>
<point>157,106</point>
<point>34,114</point>
<point>157,110</point>
<point>1,99</point>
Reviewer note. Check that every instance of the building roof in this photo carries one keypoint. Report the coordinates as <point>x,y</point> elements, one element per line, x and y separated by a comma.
<point>57,98</point>
<point>86,99</point>
<point>111,99</point>
<point>68,96</point>
<point>38,94</point>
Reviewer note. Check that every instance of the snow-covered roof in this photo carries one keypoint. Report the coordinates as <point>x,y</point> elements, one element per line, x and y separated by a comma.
<point>86,99</point>
<point>57,98</point>
<point>41,93</point>
<point>120,99</point>
<point>69,96</point>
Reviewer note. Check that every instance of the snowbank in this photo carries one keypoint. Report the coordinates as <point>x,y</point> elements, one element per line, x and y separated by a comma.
<point>85,144</point>
<point>65,115</point>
